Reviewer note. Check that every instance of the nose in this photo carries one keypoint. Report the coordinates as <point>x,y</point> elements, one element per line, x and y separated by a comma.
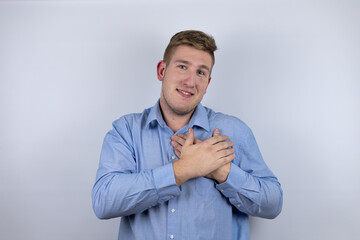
<point>189,80</point>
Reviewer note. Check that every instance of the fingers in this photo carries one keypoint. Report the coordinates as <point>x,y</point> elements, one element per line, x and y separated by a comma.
<point>177,153</point>
<point>216,132</point>
<point>216,139</point>
<point>224,153</point>
<point>176,145</point>
<point>190,138</point>
<point>181,138</point>
<point>228,152</point>
<point>223,145</point>
<point>181,135</point>
<point>228,158</point>
<point>178,139</point>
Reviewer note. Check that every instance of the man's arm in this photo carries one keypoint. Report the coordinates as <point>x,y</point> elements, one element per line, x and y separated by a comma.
<point>119,189</point>
<point>250,186</point>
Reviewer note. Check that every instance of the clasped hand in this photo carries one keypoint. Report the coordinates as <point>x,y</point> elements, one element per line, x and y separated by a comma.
<point>210,158</point>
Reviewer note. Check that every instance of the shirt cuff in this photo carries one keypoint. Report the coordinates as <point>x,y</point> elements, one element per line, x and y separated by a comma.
<point>233,183</point>
<point>165,183</point>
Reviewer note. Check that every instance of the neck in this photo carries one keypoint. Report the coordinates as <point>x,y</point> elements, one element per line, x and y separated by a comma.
<point>175,121</point>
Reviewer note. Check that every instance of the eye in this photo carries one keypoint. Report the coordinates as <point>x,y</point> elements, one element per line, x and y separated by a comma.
<point>182,67</point>
<point>201,72</point>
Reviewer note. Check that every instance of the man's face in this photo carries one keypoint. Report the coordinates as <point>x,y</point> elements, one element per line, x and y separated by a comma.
<point>185,79</point>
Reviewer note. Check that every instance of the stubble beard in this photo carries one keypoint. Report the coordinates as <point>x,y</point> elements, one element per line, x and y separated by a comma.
<point>178,112</point>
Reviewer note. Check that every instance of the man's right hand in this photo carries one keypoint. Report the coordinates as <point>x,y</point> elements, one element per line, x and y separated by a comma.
<point>199,159</point>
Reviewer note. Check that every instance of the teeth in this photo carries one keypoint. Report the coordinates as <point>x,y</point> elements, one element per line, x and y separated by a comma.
<point>185,92</point>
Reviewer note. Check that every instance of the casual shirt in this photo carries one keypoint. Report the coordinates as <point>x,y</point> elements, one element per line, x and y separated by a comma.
<point>135,181</point>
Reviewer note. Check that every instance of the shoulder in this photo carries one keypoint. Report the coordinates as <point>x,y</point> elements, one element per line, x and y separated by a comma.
<point>219,119</point>
<point>132,118</point>
<point>131,121</point>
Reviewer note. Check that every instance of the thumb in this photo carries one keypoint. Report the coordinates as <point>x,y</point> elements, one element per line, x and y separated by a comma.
<point>190,137</point>
<point>216,132</point>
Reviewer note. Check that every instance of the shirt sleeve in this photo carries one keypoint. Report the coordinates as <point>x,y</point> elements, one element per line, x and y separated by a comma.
<point>120,190</point>
<point>251,187</point>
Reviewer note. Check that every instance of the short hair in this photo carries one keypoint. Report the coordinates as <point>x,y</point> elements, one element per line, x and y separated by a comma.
<point>192,38</point>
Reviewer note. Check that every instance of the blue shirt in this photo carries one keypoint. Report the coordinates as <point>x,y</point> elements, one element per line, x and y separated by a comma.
<point>135,181</point>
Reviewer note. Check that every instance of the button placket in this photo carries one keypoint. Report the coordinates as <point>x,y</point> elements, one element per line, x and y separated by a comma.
<point>172,204</point>
<point>172,218</point>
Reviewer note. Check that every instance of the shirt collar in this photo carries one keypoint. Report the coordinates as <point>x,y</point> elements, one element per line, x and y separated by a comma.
<point>199,118</point>
<point>155,115</point>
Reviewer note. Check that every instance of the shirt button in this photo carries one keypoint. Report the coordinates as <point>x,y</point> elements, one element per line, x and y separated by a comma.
<point>171,196</point>
<point>171,236</point>
<point>173,157</point>
<point>172,210</point>
<point>221,190</point>
<point>238,205</point>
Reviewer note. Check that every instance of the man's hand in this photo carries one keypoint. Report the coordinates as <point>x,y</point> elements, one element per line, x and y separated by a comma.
<point>210,158</point>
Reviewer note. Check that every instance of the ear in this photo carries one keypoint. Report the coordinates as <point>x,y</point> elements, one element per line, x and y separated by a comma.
<point>208,84</point>
<point>161,66</point>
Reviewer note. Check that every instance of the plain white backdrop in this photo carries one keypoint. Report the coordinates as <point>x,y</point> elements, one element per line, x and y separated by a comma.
<point>289,69</point>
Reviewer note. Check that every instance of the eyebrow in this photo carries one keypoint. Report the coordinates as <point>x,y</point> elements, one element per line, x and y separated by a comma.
<point>188,63</point>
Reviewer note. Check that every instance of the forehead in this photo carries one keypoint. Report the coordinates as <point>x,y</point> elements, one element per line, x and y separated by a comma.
<point>191,55</point>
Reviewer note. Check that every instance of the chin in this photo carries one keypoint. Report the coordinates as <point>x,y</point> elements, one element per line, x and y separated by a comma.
<point>183,111</point>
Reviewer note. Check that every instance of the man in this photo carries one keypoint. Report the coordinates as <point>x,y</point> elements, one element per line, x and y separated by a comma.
<point>179,170</point>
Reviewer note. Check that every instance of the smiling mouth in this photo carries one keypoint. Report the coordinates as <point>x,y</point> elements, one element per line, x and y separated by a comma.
<point>185,93</point>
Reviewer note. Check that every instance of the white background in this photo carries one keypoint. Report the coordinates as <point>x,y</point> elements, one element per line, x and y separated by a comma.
<point>289,69</point>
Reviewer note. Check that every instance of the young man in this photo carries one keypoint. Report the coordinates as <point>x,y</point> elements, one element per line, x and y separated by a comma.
<point>178,170</point>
